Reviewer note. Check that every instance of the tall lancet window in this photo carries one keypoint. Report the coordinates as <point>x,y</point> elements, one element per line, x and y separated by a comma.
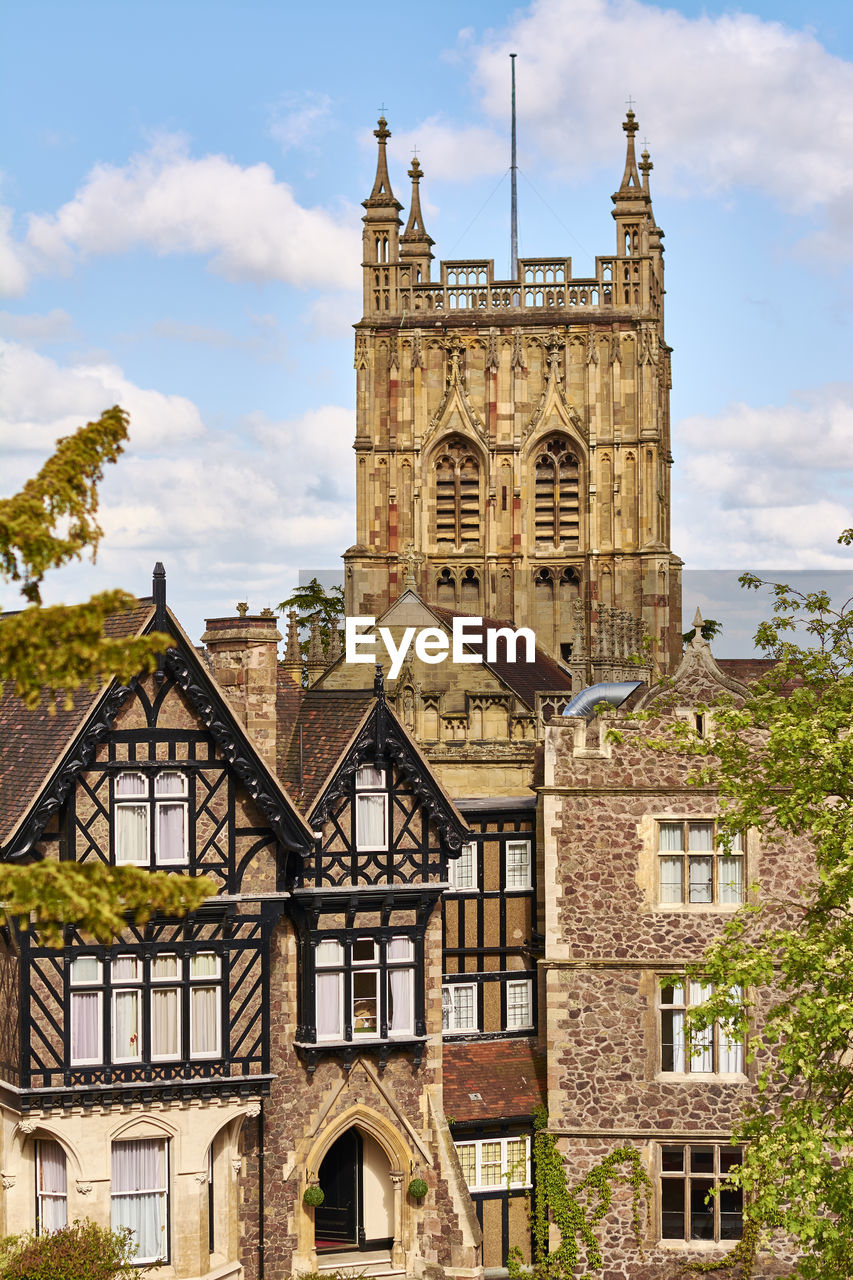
<point>457,495</point>
<point>556,504</point>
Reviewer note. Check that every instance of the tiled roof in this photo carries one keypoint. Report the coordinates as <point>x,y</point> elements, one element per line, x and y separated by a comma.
<point>506,1078</point>
<point>322,729</point>
<point>526,679</point>
<point>745,669</point>
<point>33,741</point>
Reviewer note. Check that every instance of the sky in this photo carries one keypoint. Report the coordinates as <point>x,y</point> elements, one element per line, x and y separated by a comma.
<point>180,188</point>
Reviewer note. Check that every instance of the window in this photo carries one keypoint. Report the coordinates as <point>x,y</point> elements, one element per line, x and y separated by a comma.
<point>457,495</point>
<point>371,809</point>
<point>140,1195</point>
<point>51,1187</point>
<point>495,1162</point>
<point>459,1007</point>
<point>463,870</point>
<point>364,988</point>
<point>85,980</point>
<point>135,794</point>
<point>687,1175</point>
<point>519,1010</point>
<point>145,997</point>
<point>693,868</point>
<point>518,864</point>
<point>556,505</point>
<point>716,1050</point>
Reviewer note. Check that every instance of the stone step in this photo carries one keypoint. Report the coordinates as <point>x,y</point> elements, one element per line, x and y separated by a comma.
<point>357,1262</point>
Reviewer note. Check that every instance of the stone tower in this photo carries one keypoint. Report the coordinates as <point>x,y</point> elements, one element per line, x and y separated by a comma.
<point>512,439</point>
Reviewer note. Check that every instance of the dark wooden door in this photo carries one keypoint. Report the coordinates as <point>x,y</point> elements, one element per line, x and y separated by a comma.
<point>336,1221</point>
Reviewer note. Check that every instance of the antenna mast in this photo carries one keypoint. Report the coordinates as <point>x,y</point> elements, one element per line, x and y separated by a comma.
<point>514,198</point>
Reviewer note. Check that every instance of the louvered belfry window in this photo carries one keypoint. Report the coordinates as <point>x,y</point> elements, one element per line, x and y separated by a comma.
<point>556,495</point>
<point>457,495</point>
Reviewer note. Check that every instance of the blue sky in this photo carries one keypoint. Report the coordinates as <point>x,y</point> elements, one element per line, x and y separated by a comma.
<point>180,187</point>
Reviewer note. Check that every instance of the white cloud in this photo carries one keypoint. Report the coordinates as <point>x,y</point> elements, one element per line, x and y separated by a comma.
<point>461,153</point>
<point>726,100</point>
<point>42,400</point>
<point>299,118</point>
<point>249,225</point>
<point>766,485</point>
<point>14,271</point>
<point>55,326</point>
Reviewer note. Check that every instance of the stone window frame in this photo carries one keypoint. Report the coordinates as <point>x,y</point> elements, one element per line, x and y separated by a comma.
<point>717,855</point>
<point>680,1163</point>
<point>713,1042</point>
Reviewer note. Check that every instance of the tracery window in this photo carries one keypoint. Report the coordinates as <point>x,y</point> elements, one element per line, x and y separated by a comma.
<point>457,495</point>
<point>556,502</point>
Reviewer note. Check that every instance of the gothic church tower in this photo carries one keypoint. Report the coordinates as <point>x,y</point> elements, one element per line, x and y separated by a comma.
<point>512,439</point>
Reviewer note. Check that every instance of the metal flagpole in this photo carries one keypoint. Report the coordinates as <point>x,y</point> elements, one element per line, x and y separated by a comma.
<point>513,168</point>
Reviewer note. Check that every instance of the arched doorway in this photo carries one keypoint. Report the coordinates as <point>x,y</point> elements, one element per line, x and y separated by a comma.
<point>358,1209</point>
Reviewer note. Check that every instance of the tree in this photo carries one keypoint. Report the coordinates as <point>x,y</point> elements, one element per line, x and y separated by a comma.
<point>79,1251</point>
<point>47,653</point>
<point>782,761</point>
<point>315,602</point>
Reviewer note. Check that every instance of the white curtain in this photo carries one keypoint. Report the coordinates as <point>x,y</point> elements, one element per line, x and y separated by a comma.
<point>701,836</point>
<point>730,873</point>
<point>700,880</point>
<point>400,949</point>
<point>165,966</point>
<point>139,1194</point>
<point>671,837</point>
<point>701,1042</point>
<point>329,1005</point>
<point>131,784</point>
<point>731,1046</point>
<point>204,965</point>
<point>85,1026</point>
<point>127,1041</point>
<point>204,1020</point>
<point>52,1187</point>
<point>400,1002</point>
<point>171,828</point>
<point>368,776</point>
<point>672,879</point>
<point>85,969</point>
<point>170,784</point>
<point>370,822</point>
<point>165,1041</point>
<point>131,833</point>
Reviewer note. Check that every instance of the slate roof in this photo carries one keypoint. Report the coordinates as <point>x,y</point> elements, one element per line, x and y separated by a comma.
<point>508,1076</point>
<point>32,741</point>
<point>526,679</point>
<point>324,725</point>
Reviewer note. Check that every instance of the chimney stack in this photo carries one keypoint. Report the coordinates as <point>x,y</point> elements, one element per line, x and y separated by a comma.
<point>244,656</point>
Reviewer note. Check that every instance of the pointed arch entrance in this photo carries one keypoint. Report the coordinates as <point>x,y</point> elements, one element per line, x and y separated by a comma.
<point>358,1209</point>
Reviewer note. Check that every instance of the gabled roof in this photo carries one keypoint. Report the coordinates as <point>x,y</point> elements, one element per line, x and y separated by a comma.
<point>40,753</point>
<point>316,740</point>
<point>33,741</point>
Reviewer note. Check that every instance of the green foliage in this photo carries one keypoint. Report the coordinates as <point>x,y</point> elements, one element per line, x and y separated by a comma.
<point>783,764</point>
<point>576,1211</point>
<point>418,1188</point>
<point>47,652</point>
<point>80,1251</point>
<point>314,1196</point>
<point>314,601</point>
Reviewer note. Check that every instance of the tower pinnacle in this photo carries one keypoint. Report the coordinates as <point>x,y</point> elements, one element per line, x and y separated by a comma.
<point>382,195</point>
<point>414,242</point>
<point>630,178</point>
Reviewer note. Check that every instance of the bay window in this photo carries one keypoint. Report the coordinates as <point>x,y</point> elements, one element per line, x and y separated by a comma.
<point>364,987</point>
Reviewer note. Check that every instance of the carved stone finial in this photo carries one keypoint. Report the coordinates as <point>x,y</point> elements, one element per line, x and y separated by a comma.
<point>412,560</point>
<point>242,608</point>
<point>292,661</point>
<point>267,613</point>
<point>334,644</point>
<point>698,619</point>
<point>316,656</point>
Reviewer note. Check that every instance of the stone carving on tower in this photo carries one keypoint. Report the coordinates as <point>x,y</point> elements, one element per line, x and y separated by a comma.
<point>515,433</point>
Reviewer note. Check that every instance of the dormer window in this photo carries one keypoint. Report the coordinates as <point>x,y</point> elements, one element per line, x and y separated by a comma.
<point>371,809</point>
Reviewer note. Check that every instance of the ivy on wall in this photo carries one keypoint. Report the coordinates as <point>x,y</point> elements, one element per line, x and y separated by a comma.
<point>576,1211</point>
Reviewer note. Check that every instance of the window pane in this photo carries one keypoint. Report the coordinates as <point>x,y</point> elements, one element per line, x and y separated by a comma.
<point>400,1001</point>
<point>701,1214</point>
<point>518,865</point>
<point>170,784</point>
<point>165,967</point>
<point>328,952</point>
<point>490,1164</point>
<point>672,1040</point>
<point>126,969</point>
<point>51,1186</point>
<point>672,1208</point>
<point>329,988</point>
<point>700,879</point>
<point>126,1037</point>
<point>139,1199</point>
<point>131,784</point>
<point>671,836</point>
<point>700,835</point>
<point>672,1160</point>
<point>467,1153</point>
<point>204,1021</point>
<point>672,879</point>
<point>368,777</point>
<point>364,1004</point>
<point>446,1009</point>
<point>701,1159</point>
<point>204,965</point>
<point>730,879</point>
<point>171,833</point>
<point>165,1040</point>
<point>85,969</point>
<point>463,1008</point>
<point>131,833</point>
<point>85,1026</point>
<point>364,951</point>
<point>462,869</point>
<point>518,1005</point>
<point>370,822</point>
<point>516,1160</point>
<point>400,949</point>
